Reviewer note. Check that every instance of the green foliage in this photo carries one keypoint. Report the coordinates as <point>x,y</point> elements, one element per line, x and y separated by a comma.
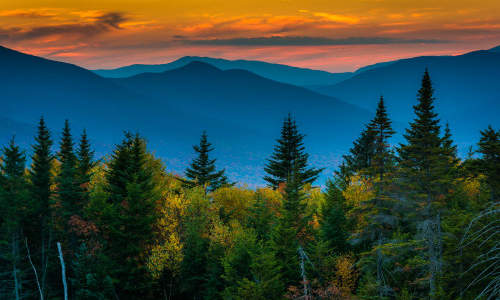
<point>419,223</point>
<point>202,171</point>
<point>289,157</point>
<point>129,224</point>
<point>333,223</point>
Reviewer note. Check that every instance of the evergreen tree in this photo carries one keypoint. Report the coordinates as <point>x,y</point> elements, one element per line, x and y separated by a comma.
<point>196,246</point>
<point>289,154</point>
<point>360,156</point>
<point>133,196</point>
<point>288,234</point>
<point>68,188</point>
<point>422,161</point>
<point>261,218</point>
<point>39,231</point>
<point>13,211</point>
<point>85,164</point>
<point>489,147</point>
<point>381,130</point>
<point>333,223</point>
<point>202,171</point>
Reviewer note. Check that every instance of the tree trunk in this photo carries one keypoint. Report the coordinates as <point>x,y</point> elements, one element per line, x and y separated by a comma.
<point>63,271</point>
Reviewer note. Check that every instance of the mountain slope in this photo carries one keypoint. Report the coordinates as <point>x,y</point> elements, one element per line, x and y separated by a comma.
<point>277,72</point>
<point>241,111</point>
<point>466,89</point>
<point>248,100</point>
<point>242,97</point>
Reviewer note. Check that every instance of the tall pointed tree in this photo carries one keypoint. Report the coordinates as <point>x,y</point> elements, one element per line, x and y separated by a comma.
<point>422,161</point>
<point>85,163</point>
<point>68,188</point>
<point>40,232</point>
<point>202,170</point>
<point>133,196</point>
<point>13,212</point>
<point>360,156</point>
<point>289,154</point>
<point>381,129</point>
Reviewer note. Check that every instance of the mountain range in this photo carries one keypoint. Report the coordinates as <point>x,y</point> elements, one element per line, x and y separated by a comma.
<point>277,72</point>
<point>467,90</point>
<point>242,110</point>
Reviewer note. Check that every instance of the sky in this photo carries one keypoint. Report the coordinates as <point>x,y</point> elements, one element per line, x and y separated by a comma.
<point>329,35</point>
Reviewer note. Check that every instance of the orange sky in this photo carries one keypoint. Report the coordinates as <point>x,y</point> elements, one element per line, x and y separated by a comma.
<point>322,34</point>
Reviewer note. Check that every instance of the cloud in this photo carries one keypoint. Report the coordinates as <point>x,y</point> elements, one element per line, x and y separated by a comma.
<point>29,13</point>
<point>338,18</point>
<point>310,41</point>
<point>100,24</point>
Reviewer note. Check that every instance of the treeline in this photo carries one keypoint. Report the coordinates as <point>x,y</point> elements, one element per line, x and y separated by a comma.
<point>412,221</point>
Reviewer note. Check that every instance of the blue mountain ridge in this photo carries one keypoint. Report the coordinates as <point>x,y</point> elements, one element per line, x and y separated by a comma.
<point>277,72</point>
<point>241,111</point>
<point>467,90</point>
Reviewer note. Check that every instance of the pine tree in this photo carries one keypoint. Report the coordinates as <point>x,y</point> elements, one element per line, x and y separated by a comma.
<point>85,164</point>
<point>360,156</point>
<point>39,231</point>
<point>289,154</point>
<point>14,208</point>
<point>68,188</point>
<point>202,171</point>
<point>422,161</point>
<point>381,129</point>
<point>287,235</point>
<point>133,196</point>
<point>261,217</point>
<point>421,156</point>
<point>489,164</point>
<point>333,223</point>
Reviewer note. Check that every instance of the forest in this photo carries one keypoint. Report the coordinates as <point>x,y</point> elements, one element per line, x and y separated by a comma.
<point>406,221</point>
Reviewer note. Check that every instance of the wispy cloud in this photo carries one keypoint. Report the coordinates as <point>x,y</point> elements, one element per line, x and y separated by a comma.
<point>310,41</point>
<point>100,23</point>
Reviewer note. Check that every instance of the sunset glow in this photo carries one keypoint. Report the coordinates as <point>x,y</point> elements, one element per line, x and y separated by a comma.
<point>328,35</point>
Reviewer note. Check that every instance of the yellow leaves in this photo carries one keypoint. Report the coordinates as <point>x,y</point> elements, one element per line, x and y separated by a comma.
<point>234,201</point>
<point>360,189</point>
<point>225,235</point>
<point>472,187</point>
<point>346,275</point>
<point>273,198</point>
<point>167,255</point>
<point>166,250</point>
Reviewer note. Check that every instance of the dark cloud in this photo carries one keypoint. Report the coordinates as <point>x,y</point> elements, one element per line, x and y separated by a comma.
<point>310,41</point>
<point>103,23</point>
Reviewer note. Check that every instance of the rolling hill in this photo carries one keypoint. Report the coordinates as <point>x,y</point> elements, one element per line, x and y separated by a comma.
<point>277,72</point>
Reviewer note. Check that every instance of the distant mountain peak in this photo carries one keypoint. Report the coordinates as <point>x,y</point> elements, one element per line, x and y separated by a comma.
<point>199,66</point>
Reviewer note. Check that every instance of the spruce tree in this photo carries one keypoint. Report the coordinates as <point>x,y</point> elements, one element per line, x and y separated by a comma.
<point>360,156</point>
<point>422,161</point>
<point>287,235</point>
<point>68,188</point>
<point>202,170</point>
<point>39,229</point>
<point>381,129</point>
<point>85,164</point>
<point>133,196</point>
<point>14,208</point>
<point>489,164</point>
<point>333,223</point>
<point>288,154</point>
